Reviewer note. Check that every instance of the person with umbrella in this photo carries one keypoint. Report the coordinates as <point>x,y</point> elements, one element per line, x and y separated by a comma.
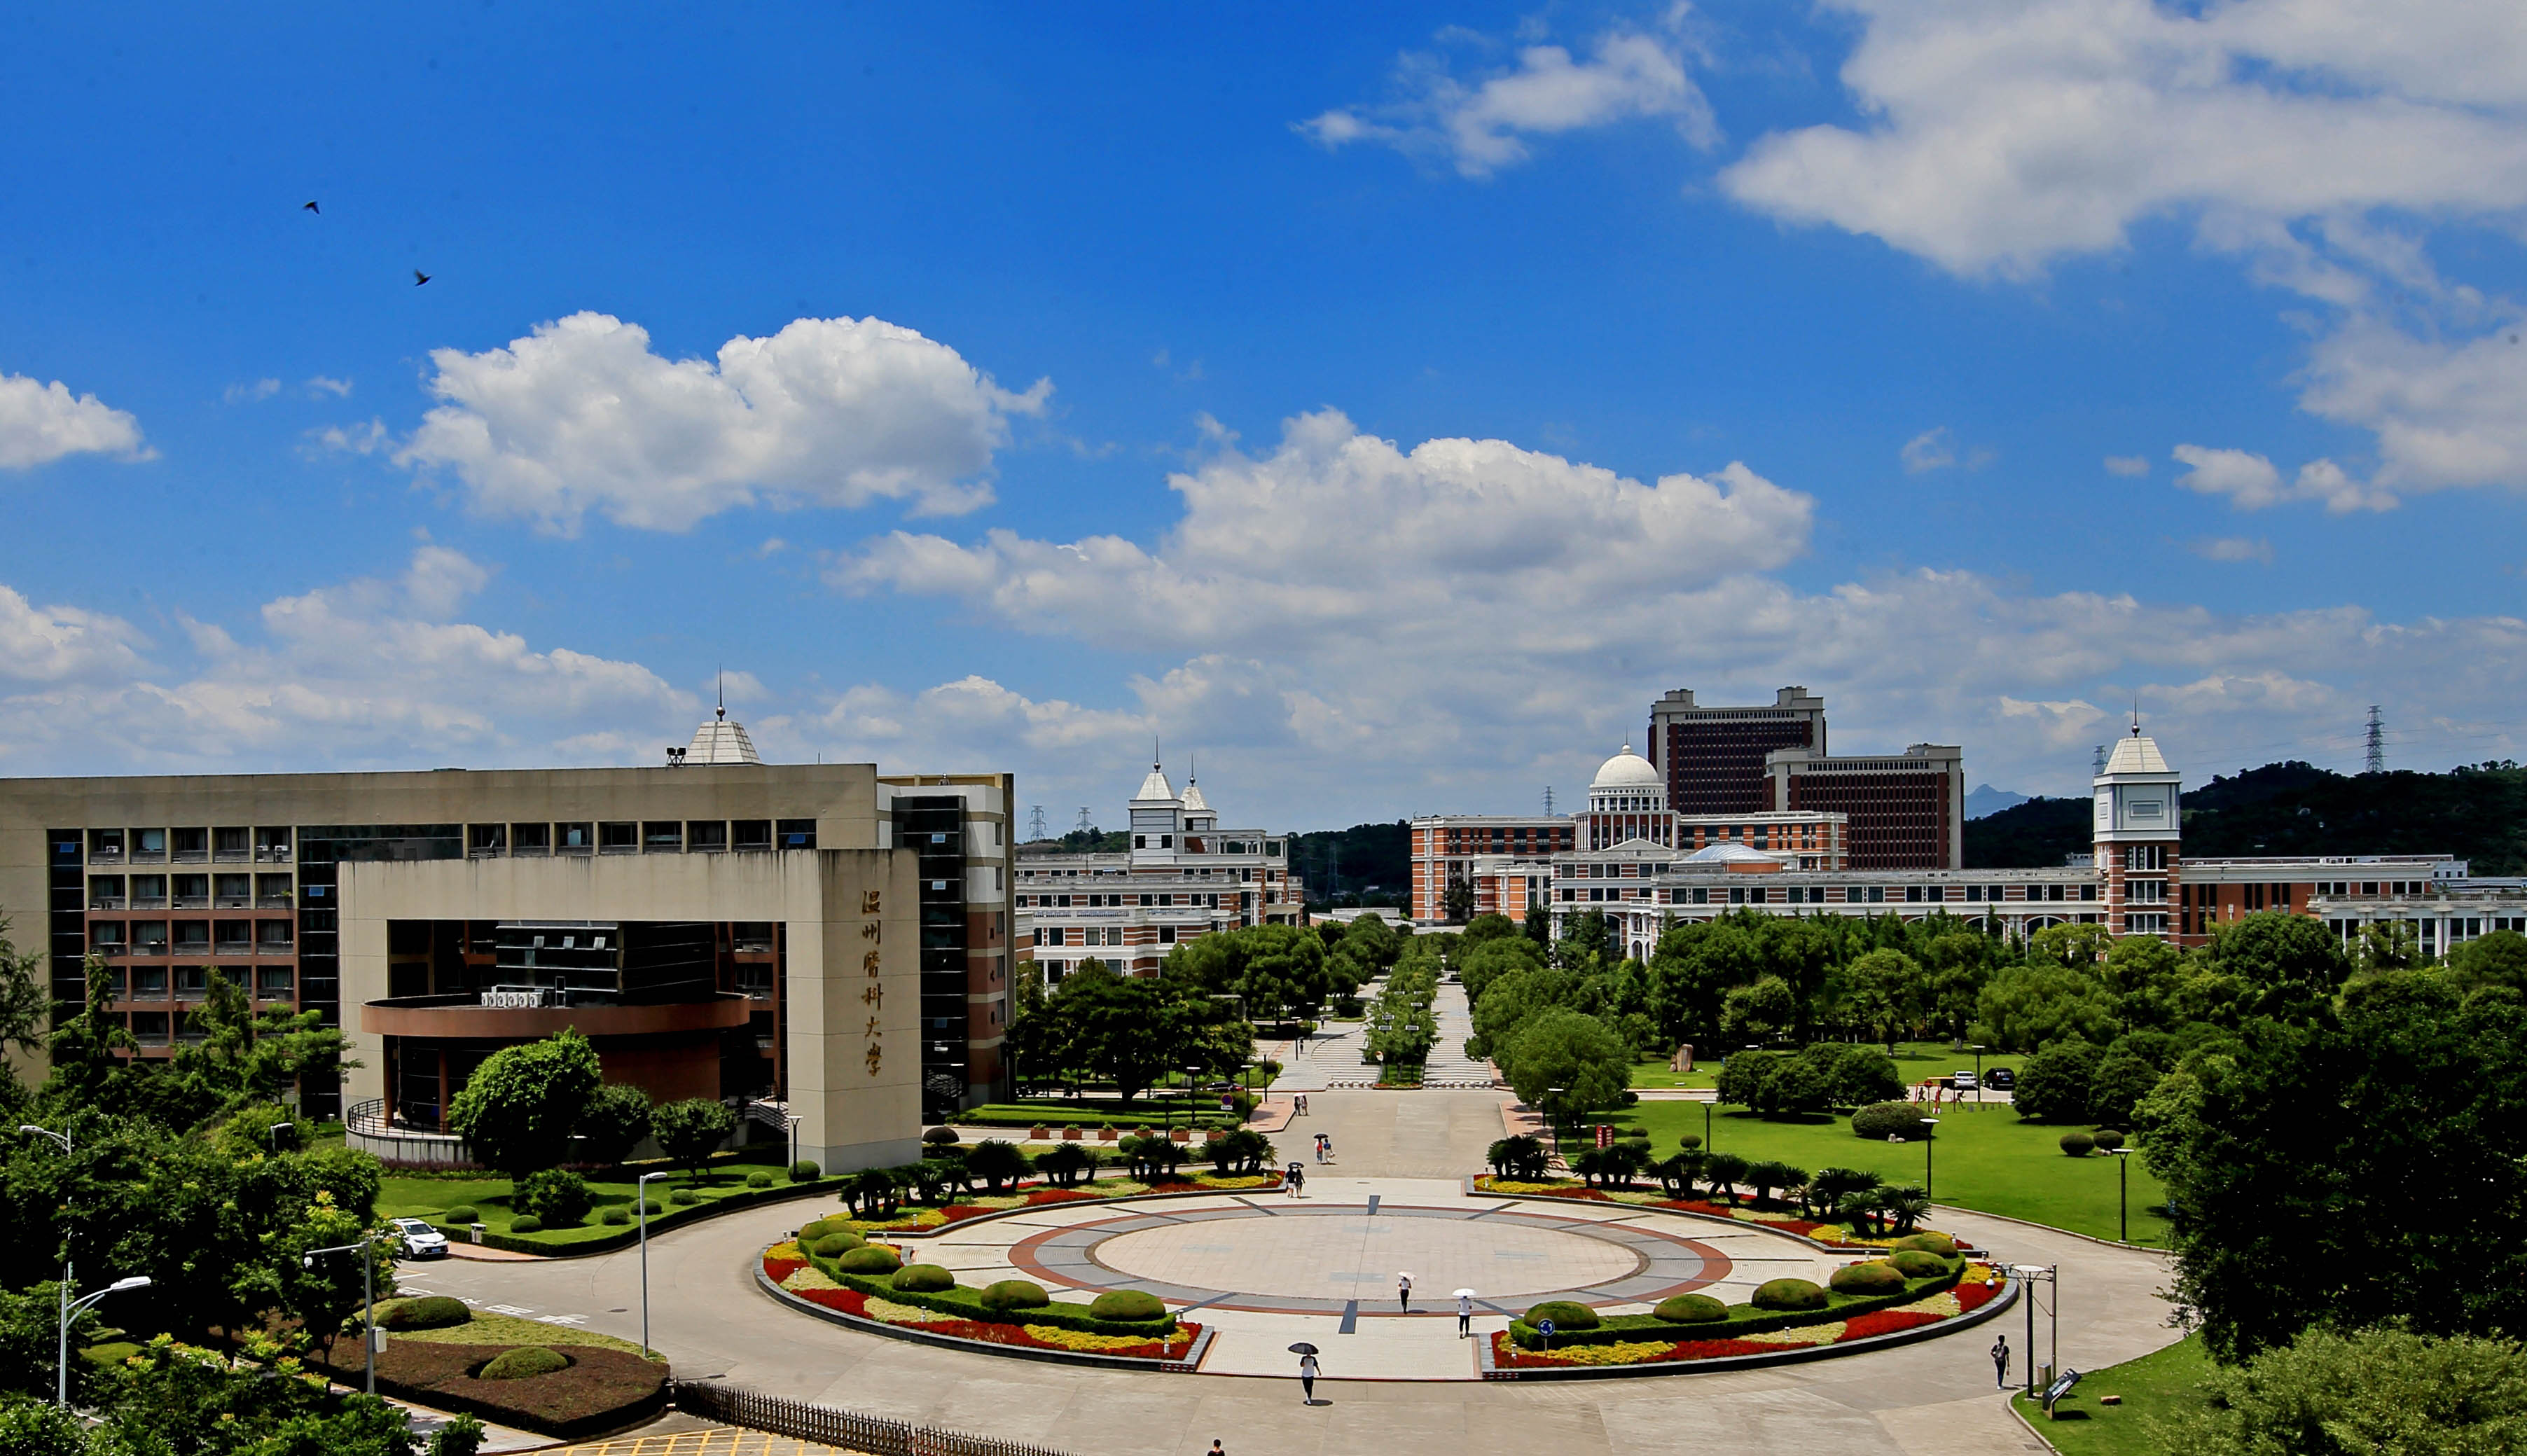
<point>1403,1291</point>
<point>1465,1314</point>
<point>1307,1354</point>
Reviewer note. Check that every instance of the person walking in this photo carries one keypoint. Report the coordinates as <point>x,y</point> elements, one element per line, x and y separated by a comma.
<point>1216,1448</point>
<point>1308,1379</point>
<point>1464,1316</point>
<point>1403,1291</point>
<point>1295,1179</point>
<point>2000,1361</point>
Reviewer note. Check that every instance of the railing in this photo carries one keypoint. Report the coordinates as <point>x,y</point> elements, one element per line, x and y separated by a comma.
<point>800,1421</point>
<point>772,1114</point>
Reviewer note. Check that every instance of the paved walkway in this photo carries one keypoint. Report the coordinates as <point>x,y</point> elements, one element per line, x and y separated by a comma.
<point>1929,1399</point>
<point>1449,1066</point>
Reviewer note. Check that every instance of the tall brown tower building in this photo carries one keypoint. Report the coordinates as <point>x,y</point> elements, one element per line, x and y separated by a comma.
<point>1713,757</point>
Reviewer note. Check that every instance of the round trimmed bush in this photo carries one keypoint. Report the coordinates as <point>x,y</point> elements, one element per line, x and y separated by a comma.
<point>1877,1276</point>
<point>836,1245</point>
<point>652,1206</point>
<point>2078,1144</point>
<point>526,1223</point>
<point>1015,1294</point>
<point>1127,1306</point>
<point>617,1215</point>
<point>524,1363</point>
<point>923,1279</point>
<point>816,1228</point>
<point>2108,1139</point>
<point>463,1212</point>
<point>428,1311</point>
<point>758,1180</point>
<point>1565,1314</point>
<point>806,1170</point>
<point>1789,1294</point>
<point>1880,1120</point>
<point>1690,1308</point>
<point>1928,1243</point>
<point>869,1259</point>
<point>1689,1141</point>
<point>683,1198</point>
<point>555,1195</point>
<point>940,1137</point>
<point>1917,1264</point>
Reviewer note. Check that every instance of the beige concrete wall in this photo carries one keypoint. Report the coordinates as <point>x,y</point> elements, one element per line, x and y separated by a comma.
<point>853,1115</point>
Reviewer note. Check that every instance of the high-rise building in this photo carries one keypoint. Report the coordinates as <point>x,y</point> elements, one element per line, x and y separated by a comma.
<point>1713,757</point>
<point>1907,810</point>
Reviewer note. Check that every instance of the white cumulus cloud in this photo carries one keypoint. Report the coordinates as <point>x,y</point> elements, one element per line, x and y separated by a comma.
<point>1485,123</point>
<point>2252,482</point>
<point>581,416</point>
<point>41,423</point>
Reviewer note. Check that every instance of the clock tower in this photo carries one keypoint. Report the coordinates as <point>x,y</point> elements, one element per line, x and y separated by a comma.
<point>2136,836</point>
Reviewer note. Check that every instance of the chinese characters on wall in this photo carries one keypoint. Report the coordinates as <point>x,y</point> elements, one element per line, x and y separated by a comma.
<point>873,992</point>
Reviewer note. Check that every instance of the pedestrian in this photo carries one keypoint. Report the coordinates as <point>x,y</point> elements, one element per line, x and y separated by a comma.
<point>1297,1180</point>
<point>1216,1448</point>
<point>1308,1379</point>
<point>2000,1361</point>
<point>1465,1317</point>
<point>1403,1291</point>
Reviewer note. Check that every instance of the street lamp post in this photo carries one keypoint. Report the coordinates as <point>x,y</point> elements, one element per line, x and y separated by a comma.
<point>1979,1050</point>
<point>1927,1139</point>
<point>1706,1121</point>
<point>2123,1194</point>
<point>794,1123</point>
<point>2050,1274</point>
<point>640,1202</point>
<point>368,1301</point>
<point>61,1357</point>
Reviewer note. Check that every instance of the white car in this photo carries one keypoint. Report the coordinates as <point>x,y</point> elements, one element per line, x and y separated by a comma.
<point>1963,1082</point>
<point>416,1239</point>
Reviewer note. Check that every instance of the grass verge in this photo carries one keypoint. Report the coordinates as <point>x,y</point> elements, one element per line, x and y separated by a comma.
<point>2162,1383</point>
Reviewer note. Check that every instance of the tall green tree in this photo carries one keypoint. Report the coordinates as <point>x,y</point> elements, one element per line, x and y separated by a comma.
<point>518,1110</point>
<point>1569,1049</point>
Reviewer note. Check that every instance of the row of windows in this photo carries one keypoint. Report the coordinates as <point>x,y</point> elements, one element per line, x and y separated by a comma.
<point>1845,895</point>
<point>106,891</point>
<point>1093,935</point>
<point>641,836</point>
<point>194,982</point>
<point>1241,875</point>
<point>233,843</point>
<point>189,937</point>
<point>1210,899</point>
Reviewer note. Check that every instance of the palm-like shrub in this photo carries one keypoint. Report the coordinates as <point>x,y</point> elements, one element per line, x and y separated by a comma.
<point>1724,1170</point>
<point>997,1162</point>
<point>1766,1176</point>
<point>1065,1163</point>
<point>1518,1157</point>
<point>1826,1190</point>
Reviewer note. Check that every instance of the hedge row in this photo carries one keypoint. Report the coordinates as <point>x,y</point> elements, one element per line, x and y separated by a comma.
<point>1013,1117</point>
<point>676,1215</point>
<point>964,1303</point>
<point>1743,1318</point>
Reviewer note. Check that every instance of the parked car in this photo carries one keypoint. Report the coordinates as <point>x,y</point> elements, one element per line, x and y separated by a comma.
<point>1962,1081</point>
<point>416,1239</point>
<point>2001,1080</point>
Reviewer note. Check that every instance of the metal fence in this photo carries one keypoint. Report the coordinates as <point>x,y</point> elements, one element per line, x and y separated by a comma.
<point>875,1435</point>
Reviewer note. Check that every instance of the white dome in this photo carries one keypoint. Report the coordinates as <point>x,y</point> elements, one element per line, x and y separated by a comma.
<point>1626,772</point>
<point>1726,851</point>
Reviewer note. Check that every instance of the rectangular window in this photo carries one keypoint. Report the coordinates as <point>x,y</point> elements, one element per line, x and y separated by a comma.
<point>486,840</point>
<point>149,937</point>
<point>1166,935</point>
<point>193,846</point>
<point>105,846</point>
<point>531,839</point>
<point>706,836</point>
<point>663,837</point>
<point>232,844</point>
<point>618,838</point>
<point>105,892</point>
<point>272,891</point>
<point>272,983</point>
<point>795,834</point>
<point>233,937</point>
<point>272,937</point>
<point>192,937</point>
<point>192,982</point>
<point>1702,897</point>
<point>749,835</point>
<point>149,844</point>
<point>193,891</point>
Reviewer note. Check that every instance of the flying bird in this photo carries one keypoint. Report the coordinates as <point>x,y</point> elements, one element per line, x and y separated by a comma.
<point>418,278</point>
<point>312,207</point>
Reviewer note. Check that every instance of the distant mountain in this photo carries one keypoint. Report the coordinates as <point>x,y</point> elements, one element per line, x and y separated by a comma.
<point>2476,813</point>
<point>1986,799</point>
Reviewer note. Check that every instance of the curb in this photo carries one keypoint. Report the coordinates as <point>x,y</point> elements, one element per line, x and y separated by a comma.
<point>1790,1355</point>
<point>2009,1401</point>
<point>1187,1366</point>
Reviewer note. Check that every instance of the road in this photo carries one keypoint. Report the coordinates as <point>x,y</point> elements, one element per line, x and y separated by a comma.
<point>1936,1398</point>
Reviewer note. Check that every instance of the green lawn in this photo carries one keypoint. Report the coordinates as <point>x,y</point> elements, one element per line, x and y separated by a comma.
<point>1985,1160</point>
<point>404,1196</point>
<point>2157,1385</point>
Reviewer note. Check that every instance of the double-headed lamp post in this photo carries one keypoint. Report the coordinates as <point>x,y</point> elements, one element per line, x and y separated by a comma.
<point>2049,1273</point>
<point>368,1301</point>
<point>640,1202</point>
<point>2123,1194</point>
<point>70,1307</point>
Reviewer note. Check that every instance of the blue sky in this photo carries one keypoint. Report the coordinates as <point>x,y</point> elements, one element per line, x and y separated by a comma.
<point>1384,406</point>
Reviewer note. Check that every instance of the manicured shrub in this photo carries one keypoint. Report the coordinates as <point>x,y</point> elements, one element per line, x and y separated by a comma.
<point>1880,1120</point>
<point>2078,1144</point>
<point>1928,1243</point>
<point>526,1223</point>
<point>1690,1308</point>
<point>1565,1314</point>
<point>836,1245</point>
<point>683,1198</point>
<point>652,1206</point>
<point>806,1170</point>
<point>555,1195</point>
<point>1916,1265</point>
<point>923,1279</point>
<point>869,1259</point>
<point>2108,1139</point>
<point>430,1312</point>
<point>463,1212</point>
<point>616,1214</point>
<point>1127,1305</point>
<point>1877,1276</point>
<point>524,1363</point>
<point>940,1137</point>
<point>1789,1294</point>
<point>2054,1085</point>
<point>814,1230</point>
<point>758,1179</point>
<point>1015,1294</point>
<point>1690,1142</point>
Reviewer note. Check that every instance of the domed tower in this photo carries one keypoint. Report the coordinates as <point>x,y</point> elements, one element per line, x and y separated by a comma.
<point>1627,800</point>
<point>2136,837</point>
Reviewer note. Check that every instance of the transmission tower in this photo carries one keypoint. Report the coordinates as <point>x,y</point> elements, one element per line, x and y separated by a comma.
<point>2100,760</point>
<point>2377,743</point>
<point>1035,823</point>
<point>1548,801</point>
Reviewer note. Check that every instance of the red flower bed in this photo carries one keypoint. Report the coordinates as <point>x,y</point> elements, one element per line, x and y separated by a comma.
<point>1507,1356</point>
<point>1972,1297</point>
<point>854,1301</point>
<point>1883,1321</point>
<point>781,1268</point>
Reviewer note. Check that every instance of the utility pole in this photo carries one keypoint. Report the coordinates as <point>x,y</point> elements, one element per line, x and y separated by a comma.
<point>1035,823</point>
<point>2377,762</point>
<point>1084,824</point>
